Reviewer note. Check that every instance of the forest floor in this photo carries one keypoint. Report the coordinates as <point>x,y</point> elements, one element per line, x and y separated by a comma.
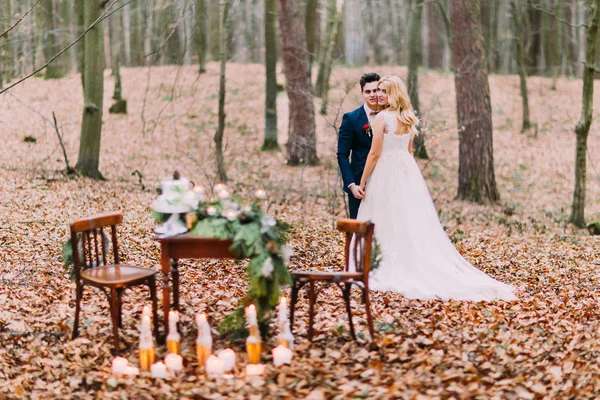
<point>543,345</point>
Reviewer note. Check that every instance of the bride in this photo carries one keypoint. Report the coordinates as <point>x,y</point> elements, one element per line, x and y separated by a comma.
<point>418,259</point>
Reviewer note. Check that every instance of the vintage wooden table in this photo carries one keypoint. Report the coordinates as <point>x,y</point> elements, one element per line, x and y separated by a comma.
<point>185,246</point>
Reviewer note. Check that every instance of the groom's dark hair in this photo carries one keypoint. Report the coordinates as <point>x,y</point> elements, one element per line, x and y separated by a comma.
<point>368,78</point>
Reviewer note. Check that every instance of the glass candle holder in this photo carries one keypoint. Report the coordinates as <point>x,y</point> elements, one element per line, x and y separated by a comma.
<point>146,358</point>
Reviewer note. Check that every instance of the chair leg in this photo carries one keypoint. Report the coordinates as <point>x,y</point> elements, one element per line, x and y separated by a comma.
<point>346,292</point>
<point>369,316</point>
<point>312,299</point>
<point>78,298</point>
<point>152,285</point>
<point>114,309</point>
<point>294,300</point>
<point>120,308</point>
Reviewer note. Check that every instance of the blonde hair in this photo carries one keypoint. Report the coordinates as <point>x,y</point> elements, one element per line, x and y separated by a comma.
<point>399,102</point>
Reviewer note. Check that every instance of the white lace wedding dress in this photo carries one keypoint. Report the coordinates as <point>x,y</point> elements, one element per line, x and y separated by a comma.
<point>418,259</point>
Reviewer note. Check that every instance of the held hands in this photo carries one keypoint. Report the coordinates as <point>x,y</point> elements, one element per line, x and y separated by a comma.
<point>357,191</point>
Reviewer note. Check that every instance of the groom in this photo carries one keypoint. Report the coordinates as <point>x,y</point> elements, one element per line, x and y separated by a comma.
<point>354,141</point>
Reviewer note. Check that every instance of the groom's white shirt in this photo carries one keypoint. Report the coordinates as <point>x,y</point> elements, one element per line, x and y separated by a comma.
<point>369,116</point>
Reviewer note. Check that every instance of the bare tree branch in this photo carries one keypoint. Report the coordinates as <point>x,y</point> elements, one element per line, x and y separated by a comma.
<point>564,21</point>
<point>101,18</point>
<point>20,19</point>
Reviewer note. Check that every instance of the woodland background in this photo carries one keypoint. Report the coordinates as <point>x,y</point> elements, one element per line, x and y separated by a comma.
<point>544,345</point>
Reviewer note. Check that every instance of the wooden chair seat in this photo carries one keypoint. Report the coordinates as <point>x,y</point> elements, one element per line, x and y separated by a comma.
<point>359,238</point>
<point>327,276</point>
<point>116,275</point>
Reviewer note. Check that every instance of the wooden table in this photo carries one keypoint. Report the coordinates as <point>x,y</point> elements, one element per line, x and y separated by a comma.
<point>185,246</point>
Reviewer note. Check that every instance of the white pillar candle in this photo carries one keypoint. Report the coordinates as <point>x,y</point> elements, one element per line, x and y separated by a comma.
<point>255,369</point>
<point>129,370</point>
<point>174,362</point>
<point>251,315</point>
<point>219,187</point>
<point>224,194</point>
<point>211,211</point>
<point>146,312</point>
<point>260,194</point>
<point>199,192</point>
<point>228,358</point>
<point>119,365</point>
<point>214,366</point>
<point>282,355</point>
<point>158,370</point>
<point>282,310</point>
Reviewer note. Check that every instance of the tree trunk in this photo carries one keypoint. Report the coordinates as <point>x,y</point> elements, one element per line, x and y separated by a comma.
<point>201,34</point>
<point>49,39</point>
<point>415,58</point>
<point>213,28</point>
<point>302,143</point>
<point>324,54</point>
<point>328,61</point>
<point>476,181</point>
<point>136,26</point>
<point>516,17</point>
<point>270,141</point>
<point>556,46</point>
<point>583,126</point>
<point>6,50</point>
<point>91,125</point>
<point>310,22</point>
<point>223,40</point>
<point>80,18</point>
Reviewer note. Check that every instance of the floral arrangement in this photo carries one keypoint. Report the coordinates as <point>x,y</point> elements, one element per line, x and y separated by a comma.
<point>367,128</point>
<point>256,236</point>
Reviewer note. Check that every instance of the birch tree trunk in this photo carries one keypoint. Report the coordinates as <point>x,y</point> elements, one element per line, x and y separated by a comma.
<point>270,142</point>
<point>520,65</point>
<point>476,180</point>
<point>201,34</point>
<point>582,128</point>
<point>91,125</point>
<point>327,64</point>
<point>302,143</point>
<point>223,41</point>
<point>49,39</point>
<point>415,58</point>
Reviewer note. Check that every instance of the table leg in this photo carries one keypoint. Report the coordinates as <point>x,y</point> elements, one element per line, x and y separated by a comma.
<point>166,289</point>
<point>175,279</point>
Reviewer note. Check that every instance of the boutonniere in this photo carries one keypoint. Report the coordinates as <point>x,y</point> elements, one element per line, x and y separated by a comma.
<point>367,128</point>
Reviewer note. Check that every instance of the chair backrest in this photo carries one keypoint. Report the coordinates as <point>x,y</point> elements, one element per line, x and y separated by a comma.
<point>359,242</point>
<point>92,244</point>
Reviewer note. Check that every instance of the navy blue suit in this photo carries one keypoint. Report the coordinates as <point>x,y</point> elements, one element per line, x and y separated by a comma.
<point>353,147</point>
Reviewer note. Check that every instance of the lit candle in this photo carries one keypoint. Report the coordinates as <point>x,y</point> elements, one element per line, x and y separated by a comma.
<point>282,313</point>
<point>230,214</point>
<point>260,194</point>
<point>285,337</point>
<point>219,187</point>
<point>224,194</point>
<point>146,344</point>
<point>227,358</point>
<point>255,369</point>
<point>204,340</point>
<point>159,370</point>
<point>146,312</point>
<point>214,366</point>
<point>119,365</point>
<point>174,362</point>
<point>247,209</point>
<point>129,370</point>
<point>173,338</point>
<point>211,211</point>
<point>251,315</point>
<point>282,355</point>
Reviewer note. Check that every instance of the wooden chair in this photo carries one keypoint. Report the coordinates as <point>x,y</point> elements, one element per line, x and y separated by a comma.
<point>359,238</point>
<point>90,248</point>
